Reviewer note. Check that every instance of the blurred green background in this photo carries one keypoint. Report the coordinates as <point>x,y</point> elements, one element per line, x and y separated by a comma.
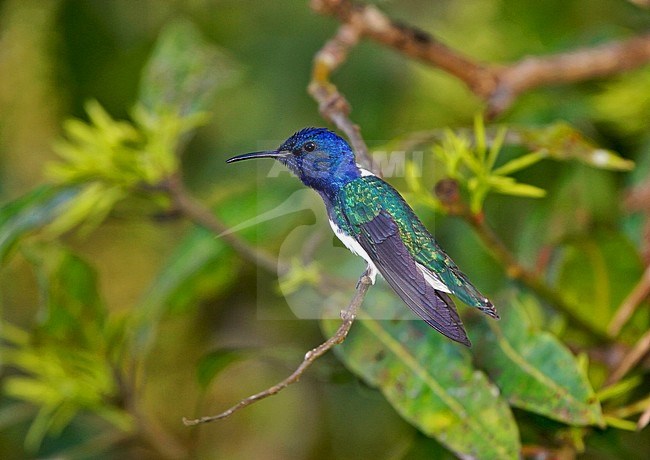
<point>56,55</point>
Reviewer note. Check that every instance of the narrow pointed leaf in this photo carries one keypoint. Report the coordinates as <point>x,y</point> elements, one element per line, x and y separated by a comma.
<point>90,207</point>
<point>534,370</point>
<point>31,212</point>
<point>519,163</point>
<point>512,187</point>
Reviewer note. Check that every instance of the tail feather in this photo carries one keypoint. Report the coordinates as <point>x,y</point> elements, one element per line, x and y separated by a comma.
<point>489,309</point>
<point>464,289</point>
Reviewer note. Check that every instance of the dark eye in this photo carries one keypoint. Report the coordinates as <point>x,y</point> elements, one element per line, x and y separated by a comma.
<point>309,147</point>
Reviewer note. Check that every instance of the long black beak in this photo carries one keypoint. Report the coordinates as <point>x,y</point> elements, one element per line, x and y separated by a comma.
<point>265,154</point>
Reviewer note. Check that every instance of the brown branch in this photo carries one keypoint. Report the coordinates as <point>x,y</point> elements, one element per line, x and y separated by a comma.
<point>347,315</point>
<point>498,85</point>
<point>577,65</point>
<point>331,104</point>
<point>641,3</point>
<point>627,308</point>
<point>636,354</point>
<point>200,215</point>
<point>372,23</point>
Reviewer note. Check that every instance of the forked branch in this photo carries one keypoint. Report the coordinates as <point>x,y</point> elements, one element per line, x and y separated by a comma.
<point>498,85</point>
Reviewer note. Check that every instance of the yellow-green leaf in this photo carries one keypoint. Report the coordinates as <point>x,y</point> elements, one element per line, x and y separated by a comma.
<point>508,186</point>
<point>519,163</point>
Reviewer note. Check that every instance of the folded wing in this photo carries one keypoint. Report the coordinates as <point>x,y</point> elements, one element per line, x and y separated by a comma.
<point>380,238</point>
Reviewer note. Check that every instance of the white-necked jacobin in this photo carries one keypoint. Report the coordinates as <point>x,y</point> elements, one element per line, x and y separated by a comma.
<point>373,221</point>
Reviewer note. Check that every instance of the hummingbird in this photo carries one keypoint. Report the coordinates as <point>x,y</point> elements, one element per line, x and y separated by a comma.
<point>373,221</point>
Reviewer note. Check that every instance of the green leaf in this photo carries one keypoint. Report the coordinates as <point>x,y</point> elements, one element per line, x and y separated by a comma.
<point>30,213</point>
<point>214,362</point>
<point>60,380</point>
<point>201,266</point>
<point>534,370</point>
<point>117,156</point>
<point>595,273</point>
<point>92,204</point>
<point>519,163</point>
<point>64,366</point>
<point>184,72</point>
<point>430,381</point>
<point>562,141</point>
<point>72,310</point>
<point>495,147</point>
<point>508,186</point>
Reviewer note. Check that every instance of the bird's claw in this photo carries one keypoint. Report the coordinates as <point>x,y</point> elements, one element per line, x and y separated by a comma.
<point>366,274</point>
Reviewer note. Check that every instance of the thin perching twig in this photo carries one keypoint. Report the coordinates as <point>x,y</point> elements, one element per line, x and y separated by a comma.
<point>627,308</point>
<point>636,354</point>
<point>499,85</point>
<point>347,315</point>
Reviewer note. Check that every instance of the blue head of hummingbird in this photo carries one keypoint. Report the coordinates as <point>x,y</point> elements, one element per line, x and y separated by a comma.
<point>372,220</point>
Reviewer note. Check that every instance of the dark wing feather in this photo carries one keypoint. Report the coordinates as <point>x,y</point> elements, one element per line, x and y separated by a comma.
<point>380,238</point>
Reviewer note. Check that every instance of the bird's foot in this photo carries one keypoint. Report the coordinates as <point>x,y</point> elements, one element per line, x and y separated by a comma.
<point>366,274</point>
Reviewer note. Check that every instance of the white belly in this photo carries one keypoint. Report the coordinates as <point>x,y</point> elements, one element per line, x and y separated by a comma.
<point>356,249</point>
<point>352,244</point>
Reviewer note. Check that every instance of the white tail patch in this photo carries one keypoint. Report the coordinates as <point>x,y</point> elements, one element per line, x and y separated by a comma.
<point>434,281</point>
